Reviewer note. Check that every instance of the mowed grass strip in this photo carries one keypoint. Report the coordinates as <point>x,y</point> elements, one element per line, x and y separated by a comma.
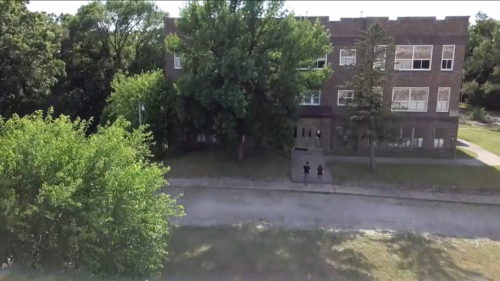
<point>486,137</point>
<point>258,164</point>
<point>417,175</point>
<point>259,252</point>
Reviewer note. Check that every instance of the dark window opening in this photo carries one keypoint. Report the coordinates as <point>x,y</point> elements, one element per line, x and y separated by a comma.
<point>303,132</point>
<point>295,132</point>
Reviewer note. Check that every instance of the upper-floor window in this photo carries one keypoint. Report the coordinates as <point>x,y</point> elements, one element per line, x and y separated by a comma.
<point>318,64</point>
<point>412,99</point>
<point>312,97</point>
<point>344,96</point>
<point>380,52</point>
<point>347,57</point>
<point>447,57</point>
<point>413,57</point>
<point>177,61</point>
<point>443,99</point>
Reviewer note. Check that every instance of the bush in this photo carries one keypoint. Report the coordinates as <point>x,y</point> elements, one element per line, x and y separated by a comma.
<point>76,202</point>
<point>159,99</point>
<point>478,114</point>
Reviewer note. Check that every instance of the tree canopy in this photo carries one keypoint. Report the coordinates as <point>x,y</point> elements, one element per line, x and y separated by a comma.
<point>241,64</point>
<point>102,38</point>
<point>155,98</point>
<point>69,201</point>
<point>29,65</point>
<point>482,67</point>
<point>367,115</point>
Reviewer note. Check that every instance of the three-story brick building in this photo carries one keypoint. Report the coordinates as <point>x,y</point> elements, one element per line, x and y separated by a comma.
<point>423,89</point>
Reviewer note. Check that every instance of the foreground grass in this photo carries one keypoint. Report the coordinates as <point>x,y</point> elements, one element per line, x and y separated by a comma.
<point>259,164</point>
<point>419,176</point>
<point>486,137</point>
<point>463,153</point>
<point>252,252</point>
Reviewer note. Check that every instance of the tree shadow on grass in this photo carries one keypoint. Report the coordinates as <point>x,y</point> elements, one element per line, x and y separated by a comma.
<point>423,257</point>
<point>249,252</point>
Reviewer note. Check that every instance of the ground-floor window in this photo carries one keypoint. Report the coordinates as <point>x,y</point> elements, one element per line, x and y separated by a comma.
<point>406,138</point>
<point>439,137</point>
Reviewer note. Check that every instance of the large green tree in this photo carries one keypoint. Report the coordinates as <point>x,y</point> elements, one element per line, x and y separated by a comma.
<point>241,63</point>
<point>367,118</point>
<point>102,38</point>
<point>482,67</point>
<point>29,66</point>
<point>69,201</point>
<point>150,98</point>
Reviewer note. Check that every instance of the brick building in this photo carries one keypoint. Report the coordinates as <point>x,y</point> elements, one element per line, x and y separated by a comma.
<point>423,89</point>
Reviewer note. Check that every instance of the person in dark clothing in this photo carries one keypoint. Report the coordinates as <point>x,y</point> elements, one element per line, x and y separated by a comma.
<point>320,172</point>
<point>306,172</point>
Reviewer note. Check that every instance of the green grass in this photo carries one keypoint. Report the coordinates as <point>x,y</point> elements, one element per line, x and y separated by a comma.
<point>418,176</point>
<point>259,164</point>
<point>463,153</point>
<point>486,137</point>
<point>251,252</point>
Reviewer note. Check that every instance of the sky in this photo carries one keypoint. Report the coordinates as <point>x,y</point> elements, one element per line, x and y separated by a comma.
<point>333,9</point>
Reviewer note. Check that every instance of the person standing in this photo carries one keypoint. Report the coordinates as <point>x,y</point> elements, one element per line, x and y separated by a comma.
<point>306,172</point>
<point>320,173</point>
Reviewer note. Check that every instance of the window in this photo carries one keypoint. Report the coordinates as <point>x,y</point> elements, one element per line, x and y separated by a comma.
<point>413,57</point>
<point>347,57</point>
<point>412,99</point>
<point>406,138</point>
<point>417,138</point>
<point>401,138</point>
<point>380,52</point>
<point>344,96</point>
<point>318,64</point>
<point>443,99</point>
<point>447,57</point>
<point>311,98</point>
<point>321,62</point>
<point>439,136</point>
<point>177,61</point>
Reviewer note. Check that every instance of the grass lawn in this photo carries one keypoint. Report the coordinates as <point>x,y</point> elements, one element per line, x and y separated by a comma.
<point>486,137</point>
<point>254,253</point>
<point>420,176</point>
<point>463,153</point>
<point>259,164</point>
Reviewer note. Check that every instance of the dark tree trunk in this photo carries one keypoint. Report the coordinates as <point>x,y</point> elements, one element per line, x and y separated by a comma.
<point>241,148</point>
<point>373,164</point>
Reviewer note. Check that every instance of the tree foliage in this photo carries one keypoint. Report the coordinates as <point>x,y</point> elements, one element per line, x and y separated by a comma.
<point>240,68</point>
<point>482,67</point>
<point>77,202</point>
<point>29,66</point>
<point>367,115</point>
<point>102,38</point>
<point>159,99</point>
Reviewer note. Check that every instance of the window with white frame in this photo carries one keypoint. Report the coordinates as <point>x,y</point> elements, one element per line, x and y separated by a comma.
<point>411,99</point>
<point>406,138</point>
<point>344,97</point>
<point>318,64</point>
<point>413,57</point>
<point>177,61</point>
<point>312,97</point>
<point>447,57</point>
<point>439,136</point>
<point>443,99</point>
<point>347,57</point>
<point>380,53</point>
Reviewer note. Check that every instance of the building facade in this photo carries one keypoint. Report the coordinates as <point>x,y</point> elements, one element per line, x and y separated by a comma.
<point>423,89</point>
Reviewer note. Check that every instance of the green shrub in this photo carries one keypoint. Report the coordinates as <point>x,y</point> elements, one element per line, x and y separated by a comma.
<point>77,202</point>
<point>478,114</point>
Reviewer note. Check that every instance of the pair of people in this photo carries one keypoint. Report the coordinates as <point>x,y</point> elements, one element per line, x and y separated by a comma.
<point>307,168</point>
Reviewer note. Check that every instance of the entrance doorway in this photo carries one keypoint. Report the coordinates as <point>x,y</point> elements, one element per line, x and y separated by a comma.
<point>307,137</point>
